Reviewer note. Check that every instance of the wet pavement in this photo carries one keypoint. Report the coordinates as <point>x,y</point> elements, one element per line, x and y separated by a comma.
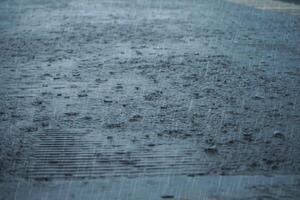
<point>169,188</point>
<point>134,90</point>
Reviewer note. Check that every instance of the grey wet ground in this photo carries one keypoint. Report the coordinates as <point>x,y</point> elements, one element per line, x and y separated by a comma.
<point>170,188</point>
<point>135,90</point>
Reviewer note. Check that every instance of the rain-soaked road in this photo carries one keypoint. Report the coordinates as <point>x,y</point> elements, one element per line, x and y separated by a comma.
<point>149,92</point>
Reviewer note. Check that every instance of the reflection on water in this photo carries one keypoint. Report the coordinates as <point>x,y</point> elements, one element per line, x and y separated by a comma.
<point>292,1</point>
<point>287,6</point>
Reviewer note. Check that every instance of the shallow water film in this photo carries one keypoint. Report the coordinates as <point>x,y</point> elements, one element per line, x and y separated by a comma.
<point>149,100</point>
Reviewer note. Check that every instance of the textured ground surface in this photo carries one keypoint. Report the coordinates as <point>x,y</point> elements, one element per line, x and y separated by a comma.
<point>93,89</point>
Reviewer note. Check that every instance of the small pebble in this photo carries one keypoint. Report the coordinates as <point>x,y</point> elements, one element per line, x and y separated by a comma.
<point>211,149</point>
<point>278,134</point>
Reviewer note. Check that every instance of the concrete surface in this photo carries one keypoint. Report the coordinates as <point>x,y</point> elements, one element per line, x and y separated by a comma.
<point>134,90</point>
